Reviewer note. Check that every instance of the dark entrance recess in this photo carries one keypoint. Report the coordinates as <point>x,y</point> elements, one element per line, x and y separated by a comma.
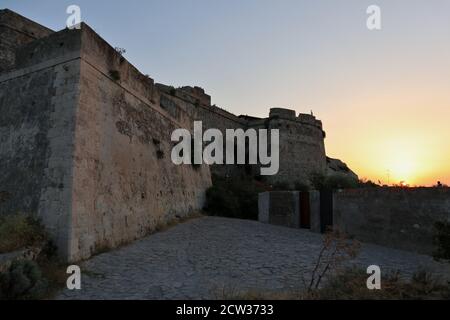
<point>305,211</point>
<point>326,210</point>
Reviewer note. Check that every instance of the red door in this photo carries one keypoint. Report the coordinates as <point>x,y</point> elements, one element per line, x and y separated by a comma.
<point>305,211</point>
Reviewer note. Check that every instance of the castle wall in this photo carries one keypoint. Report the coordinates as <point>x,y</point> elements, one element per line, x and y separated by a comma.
<point>16,31</point>
<point>88,152</point>
<point>198,105</point>
<point>302,148</point>
<point>402,218</point>
<point>125,183</point>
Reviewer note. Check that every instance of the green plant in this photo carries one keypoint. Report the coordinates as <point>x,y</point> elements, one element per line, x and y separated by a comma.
<point>297,186</point>
<point>115,75</point>
<point>156,142</point>
<point>221,202</point>
<point>23,280</point>
<point>160,154</point>
<point>29,279</point>
<point>4,196</point>
<point>442,240</point>
<point>19,231</point>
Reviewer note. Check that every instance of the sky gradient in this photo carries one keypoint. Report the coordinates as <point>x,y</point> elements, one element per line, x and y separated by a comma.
<point>383,96</point>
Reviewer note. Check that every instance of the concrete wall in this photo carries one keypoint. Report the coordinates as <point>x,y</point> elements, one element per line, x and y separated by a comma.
<point>16,31</point>
<point>399,218</point>
<point>283,208</point>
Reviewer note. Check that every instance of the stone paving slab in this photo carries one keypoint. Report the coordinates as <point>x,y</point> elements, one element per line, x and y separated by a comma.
<point>201,258</point>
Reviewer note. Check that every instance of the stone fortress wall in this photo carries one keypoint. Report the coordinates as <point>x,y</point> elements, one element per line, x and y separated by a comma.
<point>85,144</point>
<point>85,139</point>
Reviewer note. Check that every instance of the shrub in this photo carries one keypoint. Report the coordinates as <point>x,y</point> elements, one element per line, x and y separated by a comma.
<point>442,240</point>
<point>20,231</point>
<point>234,198</point>
<point>221,202</point>
<point>160,154</point>
<point>120,51</point>
<point>320,181</point>
<point>23,280</point>
<point>115,75</point>
<point>4,196</point>
<point>351,284</point>
<point>368,184</point>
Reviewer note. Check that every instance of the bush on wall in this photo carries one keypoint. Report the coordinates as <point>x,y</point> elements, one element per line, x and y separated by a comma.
<point>23,280</point>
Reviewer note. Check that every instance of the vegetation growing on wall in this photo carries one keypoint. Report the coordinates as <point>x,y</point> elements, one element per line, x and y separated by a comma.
<point>20,231</point>
<point>25,279</point>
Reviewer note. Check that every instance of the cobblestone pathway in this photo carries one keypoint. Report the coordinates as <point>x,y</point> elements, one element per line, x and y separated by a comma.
<point>201,258</point>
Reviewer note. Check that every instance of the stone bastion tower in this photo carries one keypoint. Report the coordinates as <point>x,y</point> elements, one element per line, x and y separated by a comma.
<point>85,139</point>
